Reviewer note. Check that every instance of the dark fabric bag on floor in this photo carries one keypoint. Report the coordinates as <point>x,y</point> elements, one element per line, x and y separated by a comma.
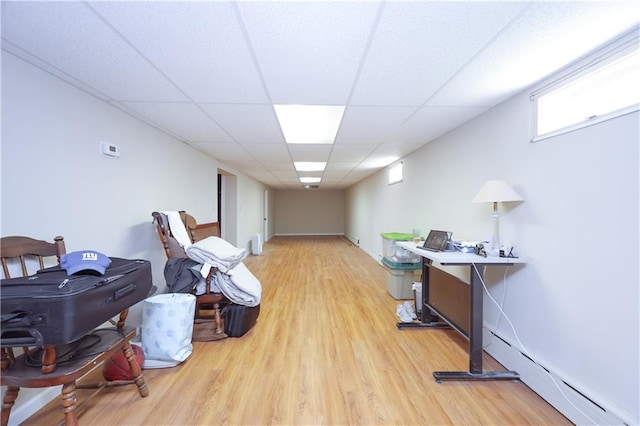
<point>238,319</point>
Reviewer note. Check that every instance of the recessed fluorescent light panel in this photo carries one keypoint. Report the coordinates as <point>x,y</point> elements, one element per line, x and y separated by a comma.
<point>309,123</point>
<point>310,166</point>
<point>310,179</point>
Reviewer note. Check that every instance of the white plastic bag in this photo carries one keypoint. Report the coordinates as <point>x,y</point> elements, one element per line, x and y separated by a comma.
<point>167,328</point>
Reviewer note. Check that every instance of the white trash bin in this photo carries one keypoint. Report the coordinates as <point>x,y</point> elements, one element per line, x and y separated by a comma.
<point>417,299</point>
<point>167,328</point>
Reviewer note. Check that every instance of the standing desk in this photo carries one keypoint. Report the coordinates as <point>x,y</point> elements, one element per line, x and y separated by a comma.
<point>476,265</point>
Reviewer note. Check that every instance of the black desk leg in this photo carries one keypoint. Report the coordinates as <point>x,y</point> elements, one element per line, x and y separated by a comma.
<point>422,324</point>
<point>475,341</point>
<point>467,375</point>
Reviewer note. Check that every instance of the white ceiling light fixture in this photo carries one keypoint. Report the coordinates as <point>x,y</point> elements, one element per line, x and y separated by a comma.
<point>317,124</point>
<point>310,166</point>
<point>308,179</point>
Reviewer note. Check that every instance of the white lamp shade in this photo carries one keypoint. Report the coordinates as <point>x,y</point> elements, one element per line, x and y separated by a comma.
<point>496,191</point>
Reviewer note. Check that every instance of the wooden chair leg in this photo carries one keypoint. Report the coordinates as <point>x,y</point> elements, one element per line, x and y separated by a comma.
<point>69,404</point>
<point>49,359</point>
<point>136,371</point>
<point>122,318</point>
<point>7,358</point>
<point>7,403</point>
<point>218,319</point>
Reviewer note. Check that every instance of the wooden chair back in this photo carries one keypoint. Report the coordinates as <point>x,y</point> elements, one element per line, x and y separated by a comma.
<point>171,246</point>
<point>200,231</point>
<point>195,231</point>
<point>23,249</point>
<point>30,255</point>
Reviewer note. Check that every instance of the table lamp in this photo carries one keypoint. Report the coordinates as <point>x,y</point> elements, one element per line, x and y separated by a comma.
<point>496,191</point>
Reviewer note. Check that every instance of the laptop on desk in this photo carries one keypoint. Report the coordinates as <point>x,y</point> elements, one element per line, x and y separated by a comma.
<point>436,241</point>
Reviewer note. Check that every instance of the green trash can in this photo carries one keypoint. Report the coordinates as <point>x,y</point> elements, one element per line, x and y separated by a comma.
<point>395,254</point>
<point>402,267</point>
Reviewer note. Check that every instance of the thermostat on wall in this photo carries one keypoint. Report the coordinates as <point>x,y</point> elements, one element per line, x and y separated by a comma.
<point>109,149</point>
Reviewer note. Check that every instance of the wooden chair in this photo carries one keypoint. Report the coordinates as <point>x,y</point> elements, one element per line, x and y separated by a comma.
<point>17,371</point>
<point>209,301</point>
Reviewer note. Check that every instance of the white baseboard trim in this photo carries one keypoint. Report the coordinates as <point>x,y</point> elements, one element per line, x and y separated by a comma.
<point>29,401</point>
<point>354,240</point>
<point>374,256</point>
<point>573,403</point>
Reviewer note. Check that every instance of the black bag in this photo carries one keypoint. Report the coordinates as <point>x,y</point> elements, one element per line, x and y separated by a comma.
<point>180,275</point>
<point>53,308</point>
<point>238,319</point>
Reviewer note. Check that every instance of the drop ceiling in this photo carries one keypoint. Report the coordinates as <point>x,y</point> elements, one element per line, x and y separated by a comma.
<point>209,72</point>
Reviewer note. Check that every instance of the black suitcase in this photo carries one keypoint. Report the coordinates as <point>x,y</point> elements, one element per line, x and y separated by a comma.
<point>53,308</point>
<point>239,319</point>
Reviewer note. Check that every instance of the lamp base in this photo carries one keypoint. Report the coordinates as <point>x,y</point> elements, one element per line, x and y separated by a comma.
<point>494,251</point>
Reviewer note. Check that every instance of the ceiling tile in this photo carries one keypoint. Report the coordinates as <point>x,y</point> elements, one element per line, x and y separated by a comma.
<point>307,152</point>
<point>248,167</point>
<point>340,166</point>
<point>278,166</point>
<point>286,174</point>
<point>430,122</point>
<point>182,119</point>
<point>268,152</point>
<point>388,153</point>
<point>349,153</point>
<point>247,123</point>
<point>80,46</point>
<point>371,125</point>
<point>309,52</point>
<point>334,176</point>
<point>426,43</point>
<point>225,152</point>
<point>262,176</point>
<point>198,45</point>
<point>357,175</point>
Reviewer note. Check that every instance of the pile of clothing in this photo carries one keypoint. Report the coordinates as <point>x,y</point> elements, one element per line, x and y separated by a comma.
<point>232,278</point>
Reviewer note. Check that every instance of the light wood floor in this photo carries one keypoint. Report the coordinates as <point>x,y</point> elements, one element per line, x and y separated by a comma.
<point>325,350</point>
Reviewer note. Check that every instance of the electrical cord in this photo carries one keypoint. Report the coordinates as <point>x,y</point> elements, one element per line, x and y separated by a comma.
<point>75,350</point>
<point>524,349</point>
<point>504,295</point>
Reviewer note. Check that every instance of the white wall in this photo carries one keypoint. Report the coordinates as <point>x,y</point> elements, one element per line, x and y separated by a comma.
<point>575,303</point>
<point>309,212</point>
<point>55,181</point>
<point>250,210</point>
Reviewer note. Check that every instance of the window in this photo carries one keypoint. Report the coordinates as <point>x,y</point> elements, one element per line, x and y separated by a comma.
<point>395,173</point>
<point>605,88</point>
